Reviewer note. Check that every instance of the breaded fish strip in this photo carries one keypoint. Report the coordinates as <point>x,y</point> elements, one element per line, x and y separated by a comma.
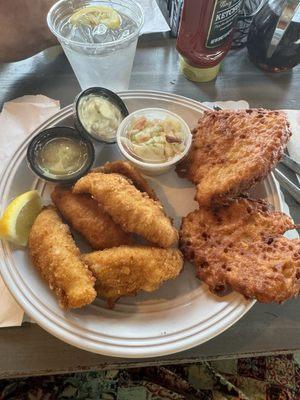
<point>54,253</point>
<point>87,217</point>
<point>241,247</point>
<point>125,270</point>
<point>129,171</point>
<point>232,150</point>
<point>128,207</point>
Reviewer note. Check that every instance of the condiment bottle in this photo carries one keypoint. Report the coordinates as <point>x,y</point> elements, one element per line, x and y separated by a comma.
<point>205,36</point>
<point>274,36</point>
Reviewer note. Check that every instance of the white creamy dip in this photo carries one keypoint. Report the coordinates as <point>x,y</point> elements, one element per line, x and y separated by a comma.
<point>99,116</point>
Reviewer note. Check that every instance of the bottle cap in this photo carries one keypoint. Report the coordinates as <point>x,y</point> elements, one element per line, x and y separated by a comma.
<point>197,74</point>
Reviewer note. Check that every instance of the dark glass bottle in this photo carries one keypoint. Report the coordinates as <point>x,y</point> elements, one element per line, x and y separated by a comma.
<point>286,54</point>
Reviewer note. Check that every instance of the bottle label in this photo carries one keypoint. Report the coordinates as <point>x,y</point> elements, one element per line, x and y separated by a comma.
<point>221,25</point>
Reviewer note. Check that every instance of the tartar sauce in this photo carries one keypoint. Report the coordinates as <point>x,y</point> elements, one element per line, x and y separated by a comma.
<point>157,140</point>
<point>62,156</point>
<point>99,116</point>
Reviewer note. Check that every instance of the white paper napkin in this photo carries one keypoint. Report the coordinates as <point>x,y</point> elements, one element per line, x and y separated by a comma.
<point>294,142</point>
<point>19,118</point>
<point>154,20</point>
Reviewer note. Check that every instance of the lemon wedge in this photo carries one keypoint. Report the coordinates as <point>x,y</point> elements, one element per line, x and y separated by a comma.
<point>19,216</point>
<point>96,15</point>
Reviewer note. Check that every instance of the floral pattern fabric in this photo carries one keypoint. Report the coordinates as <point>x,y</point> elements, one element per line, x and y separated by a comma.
<point>256,378</point>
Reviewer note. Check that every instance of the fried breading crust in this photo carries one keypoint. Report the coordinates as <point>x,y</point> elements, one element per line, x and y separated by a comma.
<point>241,247</point>
<point>88,218</point>
<point>125,270</point>
<point>128,207</point>
<point>232,150</point>
<point>54,253</point>
<point>129,171</point>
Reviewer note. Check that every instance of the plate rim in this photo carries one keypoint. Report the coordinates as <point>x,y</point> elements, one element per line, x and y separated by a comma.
<point>59,332</point>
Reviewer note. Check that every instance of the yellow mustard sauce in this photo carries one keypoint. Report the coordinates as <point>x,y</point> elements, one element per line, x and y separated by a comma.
<point>62,156</point>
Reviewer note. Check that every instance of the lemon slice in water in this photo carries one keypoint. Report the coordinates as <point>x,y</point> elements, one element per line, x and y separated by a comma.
<point>19,216</point>
<point>96,15</point>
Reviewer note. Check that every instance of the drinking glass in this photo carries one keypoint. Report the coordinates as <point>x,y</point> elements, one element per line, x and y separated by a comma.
<point>98,59</point>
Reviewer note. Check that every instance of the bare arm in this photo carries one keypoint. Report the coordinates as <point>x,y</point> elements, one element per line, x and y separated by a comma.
<point>24,30</point>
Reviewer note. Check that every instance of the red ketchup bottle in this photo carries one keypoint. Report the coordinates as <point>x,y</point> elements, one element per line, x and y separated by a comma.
<point>205,36</point>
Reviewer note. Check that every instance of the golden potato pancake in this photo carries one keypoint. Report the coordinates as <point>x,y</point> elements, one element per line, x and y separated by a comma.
<point>232,150</point>
<point>240,247</point>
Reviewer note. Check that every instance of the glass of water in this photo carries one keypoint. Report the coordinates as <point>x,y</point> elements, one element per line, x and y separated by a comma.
<point>101,53</point>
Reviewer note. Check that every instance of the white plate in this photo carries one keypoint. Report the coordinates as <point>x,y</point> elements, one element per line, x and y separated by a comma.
<point>182,314</point>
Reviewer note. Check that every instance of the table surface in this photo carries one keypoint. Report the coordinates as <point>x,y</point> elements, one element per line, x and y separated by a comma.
<point>265,329</point>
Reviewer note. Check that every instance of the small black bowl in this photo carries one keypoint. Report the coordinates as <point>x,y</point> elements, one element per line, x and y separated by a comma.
<point>106,94</point>
<point>59,132</point>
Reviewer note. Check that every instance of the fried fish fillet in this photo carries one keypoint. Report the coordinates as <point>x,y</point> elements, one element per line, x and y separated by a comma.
<point>125,270</point>
<point>87,217</point>
<point>129,171</point>
<point>240,246</point>
<point>128,207</point>
<point>232,150</point>
<point>54,253</point>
